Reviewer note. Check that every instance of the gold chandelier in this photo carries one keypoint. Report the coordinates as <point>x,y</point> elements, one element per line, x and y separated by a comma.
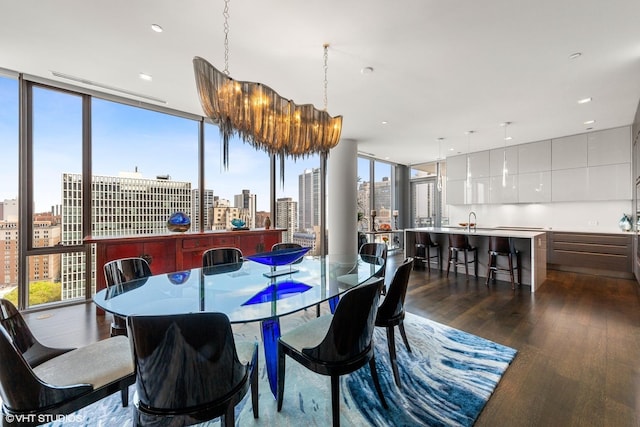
<point>261,117</point>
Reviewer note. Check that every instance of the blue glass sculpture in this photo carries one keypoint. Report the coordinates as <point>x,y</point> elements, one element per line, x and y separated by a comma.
<point>179,277</point>
<point>239,224</point>
<point>278,291</point>
<point>278,258</point>
<point>179,222</point>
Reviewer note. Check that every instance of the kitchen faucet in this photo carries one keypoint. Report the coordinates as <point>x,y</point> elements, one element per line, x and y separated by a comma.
<point>475,219</point>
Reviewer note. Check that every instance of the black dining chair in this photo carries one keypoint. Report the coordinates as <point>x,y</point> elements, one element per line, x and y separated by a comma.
<point>120,271</point>
<point>369,252</point>
<point>190,369</point>
<point>33,351</point>
<point>220,256</point>
<point>336,344</point>
<point>391,312</point>
<point>58,383</point>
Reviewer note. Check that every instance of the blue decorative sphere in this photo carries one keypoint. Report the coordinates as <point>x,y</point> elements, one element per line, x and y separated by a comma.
<point>179,222</point>
<point>179,277</point>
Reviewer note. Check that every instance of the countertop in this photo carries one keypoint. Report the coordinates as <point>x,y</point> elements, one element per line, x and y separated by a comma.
<point>501,232</point>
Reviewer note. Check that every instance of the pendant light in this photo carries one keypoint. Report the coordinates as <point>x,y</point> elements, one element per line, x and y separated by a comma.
<point>505,171</point>
<point>469,133</point>
<point>439,166</point>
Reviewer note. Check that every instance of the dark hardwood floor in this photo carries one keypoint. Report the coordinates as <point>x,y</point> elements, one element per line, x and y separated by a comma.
<point>578,342</point>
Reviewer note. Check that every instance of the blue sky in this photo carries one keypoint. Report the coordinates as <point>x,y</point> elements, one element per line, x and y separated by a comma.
<point>125,138</point>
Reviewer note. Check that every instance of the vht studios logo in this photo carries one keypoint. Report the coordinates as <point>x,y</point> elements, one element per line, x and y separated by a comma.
<point>42,418</point>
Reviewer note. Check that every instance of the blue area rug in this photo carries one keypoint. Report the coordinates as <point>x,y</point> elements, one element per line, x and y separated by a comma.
<point>447,380</point>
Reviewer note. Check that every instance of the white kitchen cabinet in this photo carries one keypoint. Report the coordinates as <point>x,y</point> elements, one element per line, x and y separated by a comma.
<point>496,161</point>
<point>479,164</point>
<point>610,182</point>
<point>534,157</point>
<point>456,191</point>
<point>457,167</point>
<point>610,146</point>
<point>507,193</point>
<point>569,152</point>
<point>570,185</point>
<point>479,191</point>
<point>534,187</point>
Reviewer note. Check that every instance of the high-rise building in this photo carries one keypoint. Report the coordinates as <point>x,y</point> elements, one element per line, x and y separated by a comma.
<point>247,201</point>
<point>41,267</point>
<point>124,205</point>
<point>9,210</point>
<point>209,198</point>
<point>286,217</point>
<point>223,213</point>
<point>309,199</point>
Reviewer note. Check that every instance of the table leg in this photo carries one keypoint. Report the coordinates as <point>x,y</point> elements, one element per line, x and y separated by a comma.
<point>270,334</point>
<point>333,303</point>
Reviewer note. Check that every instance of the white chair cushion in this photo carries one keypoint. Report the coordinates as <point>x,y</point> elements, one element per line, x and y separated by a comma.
<point>97,364</point>
<point>309,334</point>
<point>245,351</point>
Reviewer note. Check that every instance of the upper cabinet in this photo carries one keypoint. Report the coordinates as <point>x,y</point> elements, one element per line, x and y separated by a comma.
<point>590,166</point>
<point>457,167</point>
<point>504,161</point>
<point>479,165</point>
<point>569,152</point>
<point>609,147</point>
<point>534,157</point>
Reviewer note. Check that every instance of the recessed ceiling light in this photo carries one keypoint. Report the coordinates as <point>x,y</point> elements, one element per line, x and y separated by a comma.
<point>589,122</point>
<point>575,55</point>
<point>384,122</point>
<point>366,70</point>
<point>157,28</point>
<point>146,77</point>
<point>584,100</point>
<point>508,138</point>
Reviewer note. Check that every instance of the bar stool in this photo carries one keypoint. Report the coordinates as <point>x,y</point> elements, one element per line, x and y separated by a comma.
<point>424,247</point>
<point>457,243</point>
<point>503,246</point>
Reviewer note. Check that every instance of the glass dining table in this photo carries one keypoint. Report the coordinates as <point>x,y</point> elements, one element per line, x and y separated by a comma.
<point>246,292</point>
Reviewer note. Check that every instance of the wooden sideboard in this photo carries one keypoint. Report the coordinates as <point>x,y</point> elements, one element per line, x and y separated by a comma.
<point>178,251</point>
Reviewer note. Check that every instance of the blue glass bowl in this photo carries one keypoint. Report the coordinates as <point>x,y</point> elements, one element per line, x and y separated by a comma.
<point>279,257</point>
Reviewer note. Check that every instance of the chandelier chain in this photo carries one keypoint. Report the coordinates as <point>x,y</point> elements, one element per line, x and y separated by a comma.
<point>225,13</point>
<point>326,70</point>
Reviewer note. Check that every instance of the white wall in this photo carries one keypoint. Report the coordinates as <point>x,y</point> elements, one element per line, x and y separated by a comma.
<point>568,216</point>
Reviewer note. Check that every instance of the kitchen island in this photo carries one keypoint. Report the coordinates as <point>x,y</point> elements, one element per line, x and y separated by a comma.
<point>532,246</point>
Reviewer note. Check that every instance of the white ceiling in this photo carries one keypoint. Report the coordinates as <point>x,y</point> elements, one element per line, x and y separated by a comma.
<point>441,68</point>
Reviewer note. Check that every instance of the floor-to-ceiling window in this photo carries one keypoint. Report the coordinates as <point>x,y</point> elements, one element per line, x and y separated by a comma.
<point>428,191</point>
<point>298,201</point>
<point>377,204</point>
<point>8,186</point>
<point>54,257</point>
<point>238,191</point>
